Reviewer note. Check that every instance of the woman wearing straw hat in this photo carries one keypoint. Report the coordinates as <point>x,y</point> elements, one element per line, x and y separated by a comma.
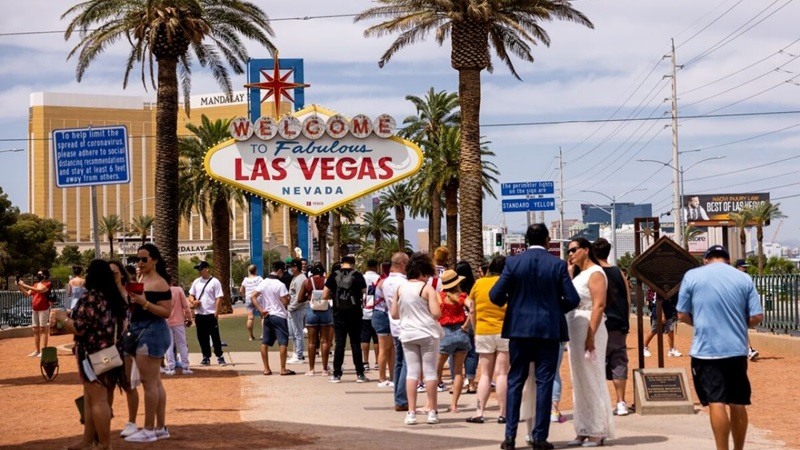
<point>454,322</point>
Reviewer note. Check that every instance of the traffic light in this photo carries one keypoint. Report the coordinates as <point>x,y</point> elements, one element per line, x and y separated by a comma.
<point>498,239</point>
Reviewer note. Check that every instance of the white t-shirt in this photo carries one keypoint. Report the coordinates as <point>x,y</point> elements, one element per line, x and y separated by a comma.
<point>389,290</point>
<point>208,301</point>
<point>271,290</point>
<point>369,300</point>
<point>250,284</point>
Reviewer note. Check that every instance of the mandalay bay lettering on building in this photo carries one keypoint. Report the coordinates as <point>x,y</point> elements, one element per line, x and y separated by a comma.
<point>315,159</point>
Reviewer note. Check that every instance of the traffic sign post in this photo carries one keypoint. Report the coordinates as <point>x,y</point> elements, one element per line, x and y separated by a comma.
<point>90,157</point>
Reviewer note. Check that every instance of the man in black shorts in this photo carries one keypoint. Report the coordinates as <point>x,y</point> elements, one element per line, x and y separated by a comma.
<point>720,302</point>
<point>617,323</point>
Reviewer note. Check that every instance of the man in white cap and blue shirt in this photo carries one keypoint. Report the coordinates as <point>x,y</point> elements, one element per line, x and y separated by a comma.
<point>721,303</point>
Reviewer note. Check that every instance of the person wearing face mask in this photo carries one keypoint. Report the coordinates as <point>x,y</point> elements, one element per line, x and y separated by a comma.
<point>41,309</point>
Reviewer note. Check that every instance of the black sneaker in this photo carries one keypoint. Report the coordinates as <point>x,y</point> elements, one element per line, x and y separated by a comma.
<point>361,378</point>
<point>205,362</point>
<point>221,361</point>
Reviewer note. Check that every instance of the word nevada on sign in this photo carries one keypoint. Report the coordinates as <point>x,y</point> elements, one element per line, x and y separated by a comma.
<point>314,160</point>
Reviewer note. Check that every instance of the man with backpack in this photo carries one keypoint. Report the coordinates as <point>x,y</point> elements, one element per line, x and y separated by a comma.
<point>346,287</point>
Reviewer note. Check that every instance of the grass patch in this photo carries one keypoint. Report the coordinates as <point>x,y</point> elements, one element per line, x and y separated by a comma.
<point>233,331</point>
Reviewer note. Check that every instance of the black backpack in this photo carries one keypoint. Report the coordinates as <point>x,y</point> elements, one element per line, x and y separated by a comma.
<point>344,299</point>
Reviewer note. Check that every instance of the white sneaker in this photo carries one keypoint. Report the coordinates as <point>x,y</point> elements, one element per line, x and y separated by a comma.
<point>752,354</point>
<point>622,409</point>
<point>162,433</point>
<point>142,435</point>
<point>129,429</point>
<point>385,384</point>
<point>34,354</point>
<point>674,352</point>
<point>647,352</point>
<point>411,418</point>
<point>421,387</point>
<point>295,360</point>
<point>433,417</point>
<point>186,371</point>
<point>169,372</point>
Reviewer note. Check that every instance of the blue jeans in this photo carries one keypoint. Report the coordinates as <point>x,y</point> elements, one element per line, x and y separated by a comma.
<point>557,380</point>
<point>296,324</point>
<point>471,363</point>
<point>400,369</point>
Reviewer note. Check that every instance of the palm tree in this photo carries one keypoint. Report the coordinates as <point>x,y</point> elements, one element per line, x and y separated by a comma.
<point>110,226</point>
<point>163,35</point>
<point>510,26</point>
<point>349,237</point>
<point>689,233</point>
<point>140,226</point>
<point>761,215</point>
<point>742,220</point>
<point>198,192</point>
<point>398,196</point>
<point>377,225</point>
<point>348,211</point>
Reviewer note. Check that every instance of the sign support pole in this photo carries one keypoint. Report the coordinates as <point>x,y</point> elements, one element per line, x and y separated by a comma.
<point>95,234</point>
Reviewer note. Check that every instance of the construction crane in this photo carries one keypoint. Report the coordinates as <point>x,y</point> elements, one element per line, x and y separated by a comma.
<point>777,229</point>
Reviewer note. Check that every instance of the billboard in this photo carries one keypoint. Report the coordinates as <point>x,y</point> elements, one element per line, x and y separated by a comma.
<point>717,207</point>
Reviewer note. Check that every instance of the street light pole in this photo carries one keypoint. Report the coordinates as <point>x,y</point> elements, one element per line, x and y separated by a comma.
<point>614,216</point>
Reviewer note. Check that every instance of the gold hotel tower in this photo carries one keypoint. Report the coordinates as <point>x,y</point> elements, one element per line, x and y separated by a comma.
<point>72,206</point>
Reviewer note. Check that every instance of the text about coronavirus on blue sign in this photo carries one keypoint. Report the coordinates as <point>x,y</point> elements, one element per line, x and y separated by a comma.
<point>527,188</point>
<point>91,156</point>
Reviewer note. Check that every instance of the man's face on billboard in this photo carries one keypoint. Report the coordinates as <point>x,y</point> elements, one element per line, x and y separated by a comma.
<point>694,202</point>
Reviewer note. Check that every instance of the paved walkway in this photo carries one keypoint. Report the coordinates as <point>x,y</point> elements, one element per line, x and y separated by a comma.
<point>352,415</point>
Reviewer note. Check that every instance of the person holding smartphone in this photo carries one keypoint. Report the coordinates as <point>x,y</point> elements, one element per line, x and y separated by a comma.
<point>41,309</point>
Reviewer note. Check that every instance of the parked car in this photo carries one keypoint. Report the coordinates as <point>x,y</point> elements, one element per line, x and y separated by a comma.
<point>19,313</point>
<point>236,296</point>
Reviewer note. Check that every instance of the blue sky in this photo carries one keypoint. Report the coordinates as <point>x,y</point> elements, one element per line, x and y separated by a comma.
<point>739,57</point>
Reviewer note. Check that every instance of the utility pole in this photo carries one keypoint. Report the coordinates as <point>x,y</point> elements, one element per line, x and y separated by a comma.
<point>676,207</point>
<point>561,202</point>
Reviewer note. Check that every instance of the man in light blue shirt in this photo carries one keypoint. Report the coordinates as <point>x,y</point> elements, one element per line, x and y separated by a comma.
<point>720,302</point>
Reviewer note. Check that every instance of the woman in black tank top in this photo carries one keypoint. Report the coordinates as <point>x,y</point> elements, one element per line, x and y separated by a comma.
<point>149,311</point>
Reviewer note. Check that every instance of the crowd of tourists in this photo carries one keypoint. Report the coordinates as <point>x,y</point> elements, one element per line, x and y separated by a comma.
<point>511,326</point>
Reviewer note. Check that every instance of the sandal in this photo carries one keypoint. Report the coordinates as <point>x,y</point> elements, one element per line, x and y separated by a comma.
<point>501,419</point>
<point>478,419</point>
<point>288,372</point>
<point>310,373</point>
<point>267,372</point>
<point>472,391</point>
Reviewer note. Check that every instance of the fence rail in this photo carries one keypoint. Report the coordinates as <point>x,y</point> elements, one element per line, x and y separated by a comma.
<point>16,309</point>
<point>780,298</point>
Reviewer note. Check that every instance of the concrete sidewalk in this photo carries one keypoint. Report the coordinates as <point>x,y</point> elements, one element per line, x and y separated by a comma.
<point>353,415</point>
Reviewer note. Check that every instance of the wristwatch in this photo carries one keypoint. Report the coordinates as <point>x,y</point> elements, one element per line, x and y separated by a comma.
<point>146,305</point>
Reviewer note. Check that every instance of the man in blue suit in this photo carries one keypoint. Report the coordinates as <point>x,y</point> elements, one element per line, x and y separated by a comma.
<point>538,291</point>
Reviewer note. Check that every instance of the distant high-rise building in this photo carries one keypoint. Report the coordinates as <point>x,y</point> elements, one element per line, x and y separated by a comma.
<point>625,212</point>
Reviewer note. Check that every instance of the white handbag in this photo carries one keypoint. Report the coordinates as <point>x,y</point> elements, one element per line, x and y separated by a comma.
<point>106,359</point>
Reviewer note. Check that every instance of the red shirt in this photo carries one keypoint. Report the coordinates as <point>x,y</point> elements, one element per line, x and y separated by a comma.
<point>40,302</point>
<point>452,313</point>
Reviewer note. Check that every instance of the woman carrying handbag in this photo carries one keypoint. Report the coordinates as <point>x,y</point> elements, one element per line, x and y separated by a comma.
<point>97,323</point>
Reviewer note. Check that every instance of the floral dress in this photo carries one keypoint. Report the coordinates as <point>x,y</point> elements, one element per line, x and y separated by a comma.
<point>96,329</point>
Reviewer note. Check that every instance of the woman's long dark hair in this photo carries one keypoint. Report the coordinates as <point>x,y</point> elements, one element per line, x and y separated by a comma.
<point>161,266</point>
<point>465,270</point>
<point>100,278</point>
<point>584,243</point>
<point>123,272</point>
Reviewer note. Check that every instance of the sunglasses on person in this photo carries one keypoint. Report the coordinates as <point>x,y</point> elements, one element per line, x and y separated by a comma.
<point>143,259</point>
<point>572,250</point>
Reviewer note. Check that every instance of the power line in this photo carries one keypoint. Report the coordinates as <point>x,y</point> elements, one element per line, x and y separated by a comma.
<point>742,69</point>
<point>789,81</point>
<point>748,168</point>
<point>710,23</point>
<point>721,43</point>
<point>745,139</point>
<point>280,19</point>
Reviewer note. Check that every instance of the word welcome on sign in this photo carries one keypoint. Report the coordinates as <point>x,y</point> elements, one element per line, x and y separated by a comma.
<point>314,160</point>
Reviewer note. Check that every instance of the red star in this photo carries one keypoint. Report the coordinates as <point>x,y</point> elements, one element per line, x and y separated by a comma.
<point>276,85</point>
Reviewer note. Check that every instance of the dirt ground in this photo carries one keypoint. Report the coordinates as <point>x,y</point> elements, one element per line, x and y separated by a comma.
<point>203,408</point>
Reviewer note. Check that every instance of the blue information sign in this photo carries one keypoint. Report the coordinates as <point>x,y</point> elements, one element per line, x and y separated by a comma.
<point>529,204</point>
<point>91,156</point>
<point>527,188</point>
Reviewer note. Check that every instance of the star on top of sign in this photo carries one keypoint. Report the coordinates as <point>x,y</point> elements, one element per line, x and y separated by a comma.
<point>276,85</point>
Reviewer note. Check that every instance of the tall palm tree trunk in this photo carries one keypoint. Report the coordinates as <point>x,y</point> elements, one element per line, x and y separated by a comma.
<point>743,241</point>
<point>111,246</point>
<point>294,238</point>
<point>436,221</point>
<point>166,225</point>
<point>336,237</point>
<point>400,216</point>
<point>323,222</point>
<point>469,92</point>
<point>221,242</point>
<point>430,233</point>
<point>451,212</point>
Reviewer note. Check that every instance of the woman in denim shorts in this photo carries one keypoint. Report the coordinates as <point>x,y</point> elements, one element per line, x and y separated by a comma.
<point>318,323</point>
<point>149,312</point>
<point>456,340</point>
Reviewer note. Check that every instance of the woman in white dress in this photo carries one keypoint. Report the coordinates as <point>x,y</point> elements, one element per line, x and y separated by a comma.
<point>588,338</point>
